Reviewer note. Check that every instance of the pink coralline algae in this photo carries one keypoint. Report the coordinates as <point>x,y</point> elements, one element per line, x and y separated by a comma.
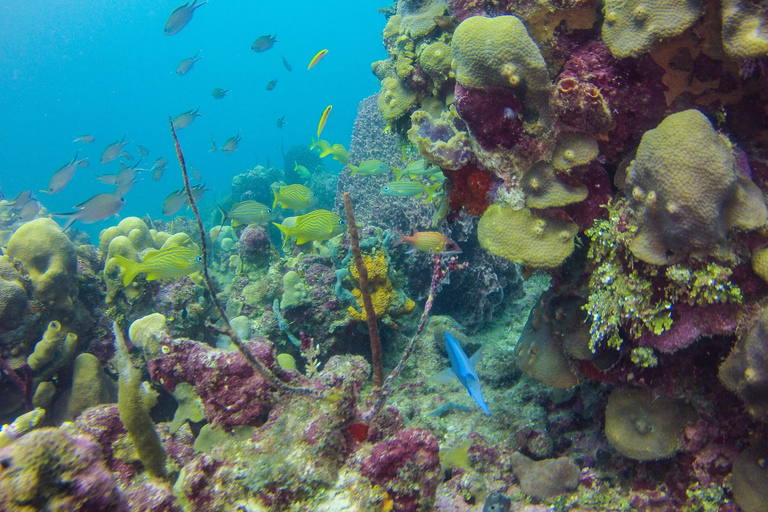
<point>231,392</point>
<point>692,323</point>
<point>408,467</point>
<point>254,245</point>
<point>493,115</point>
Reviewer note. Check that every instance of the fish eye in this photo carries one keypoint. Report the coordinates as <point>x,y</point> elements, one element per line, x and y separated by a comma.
<point>342,222</point>
<point>269,210</point>
<point>200,259</point>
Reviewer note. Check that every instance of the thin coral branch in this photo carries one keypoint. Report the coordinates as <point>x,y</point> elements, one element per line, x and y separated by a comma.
<point>370,314</point>
<point>257,365</point>
<point>438,275</point>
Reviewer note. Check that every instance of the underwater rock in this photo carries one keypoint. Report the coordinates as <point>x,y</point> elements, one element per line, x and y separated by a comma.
<point>749,478</point>
<point>545,478</point>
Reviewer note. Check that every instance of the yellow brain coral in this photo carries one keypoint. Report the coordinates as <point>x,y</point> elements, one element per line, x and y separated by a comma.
<point>686,193</point>
<point>522,237</point>
<point>395,99</point>
<point>497,52</point>
<point>745,35</point>
<point>631,27</point>
<point>435,59</point>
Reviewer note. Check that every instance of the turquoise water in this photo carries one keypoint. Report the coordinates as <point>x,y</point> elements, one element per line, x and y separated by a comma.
<point>107,69</point>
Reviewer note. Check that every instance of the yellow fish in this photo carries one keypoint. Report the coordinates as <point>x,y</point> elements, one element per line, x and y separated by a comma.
<point>317,58</point>
<point>294,196</point>
<point>175,261</point>
<point>246,212</point>
<point>301,170</point>
<point>337,151</point>
<point>315,225</point>
<point>324,119</point>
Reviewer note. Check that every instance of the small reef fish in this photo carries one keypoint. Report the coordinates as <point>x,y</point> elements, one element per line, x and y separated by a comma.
<point>219,93</point>
<point>21,200</point>
<point>296,197</point>
<point>178,198</point>
<point>127,156</point>
<point>85,138</point>
<point>143,151</point>
<point>428,241</point>
<point>107,179</point>
<point>369,168</point>
<point>317,58</point>
<point>420,167</point>
<point>281,122</point>
<point>406,188</point>
<point>186,65</point>
<point>323,119</point>
<point>264,43</point>
<point>337,151</point>
<point>180,17</point>
<point>195,173</point>
<point>271,85</point>
<point>63,176</point>
<point>124,188</point>
<point>315,225</point>
<point>99,207</point>
<point>213,145</point>
<point>230,145</point>
<point>286,64</point>
<point>301,171</point>
<point>175,261</point>
<point>113,150</point>
<point>127,174</point>
<point>185,119</point>
<point>246,212</point>
<point>463,368</point>
<point>29,211</point>
<point>158,168</point>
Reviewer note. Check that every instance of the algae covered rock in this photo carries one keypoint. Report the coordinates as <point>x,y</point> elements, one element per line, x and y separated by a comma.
<point>544,190</point>
<point>643,428</point>
<point>631,27</point>
<point>50,259</point>
<point>439,141</point>
<point>525,238</point>
<point>13,295</point>
<point>749,478</point>
<point>395,99</point>
<point>545,478</point>
<point>686,193</point>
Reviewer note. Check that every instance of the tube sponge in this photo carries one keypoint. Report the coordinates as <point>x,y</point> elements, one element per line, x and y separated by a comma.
<point>57,347</point>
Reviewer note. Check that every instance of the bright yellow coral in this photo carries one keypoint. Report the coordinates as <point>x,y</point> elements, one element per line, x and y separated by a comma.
<point>383,294</point>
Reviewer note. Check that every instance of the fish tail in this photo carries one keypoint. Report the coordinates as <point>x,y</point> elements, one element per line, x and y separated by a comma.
<point>401,240</point>
<point>274,204</point>
<point>398,173</point>
<point>132,269</point>
<point>286,231</point>
<point>431,191</point>
<point>354,169</point>
<point>223,215</point>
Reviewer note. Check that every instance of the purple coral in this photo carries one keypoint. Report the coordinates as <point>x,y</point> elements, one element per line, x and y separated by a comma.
<point>254,244</point>
<point>493,115</point>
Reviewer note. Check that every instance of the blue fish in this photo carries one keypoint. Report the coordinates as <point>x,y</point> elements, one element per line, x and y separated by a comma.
<point>463,368</point>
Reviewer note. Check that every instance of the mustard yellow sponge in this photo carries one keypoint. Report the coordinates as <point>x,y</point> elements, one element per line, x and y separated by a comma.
<point>686,193</point>
<point>50,259</point>
<point>744,30</point>
<point>382,291</point>
<point>631,27</point>
<point>760,263</point>
<point>522,237</point>
<point>497,52</point>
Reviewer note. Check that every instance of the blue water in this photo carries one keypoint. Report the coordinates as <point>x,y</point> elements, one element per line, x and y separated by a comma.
<point>106,69</point>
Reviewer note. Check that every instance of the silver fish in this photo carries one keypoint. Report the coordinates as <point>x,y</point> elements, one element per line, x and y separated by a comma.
<point>143,151</point>
<point>29,211</point>
<point>286,64</point>
<point>158,168</point>
<point>63,176</point>
<point>124,188</point>
<point>174,202</point>
<point>21,199</point>
<point>219,93</point>
<point>195,173</point>
<point>185,119</point>
<point>186,64</point>
<point>180,17</point>
<point>230,145</point>
<point>107,179</point>
<point>99,207</point>
<point>213,145</point>
<point>127,156</point>
<point>113,150</point>
<point>85,138</point>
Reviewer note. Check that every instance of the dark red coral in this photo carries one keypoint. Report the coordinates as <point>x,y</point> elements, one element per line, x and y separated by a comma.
<point>470,188</point>
<point>493,115</point>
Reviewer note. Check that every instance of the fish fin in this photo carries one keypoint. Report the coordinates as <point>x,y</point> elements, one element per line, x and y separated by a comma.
<point>301,240</point>
<point>402,239</point>
<point>235,223</point>
<point>131,268</point>
<point>223,215</point>
<point>398,173</point>
<point>274,204</point>
<point>353,169</point>
<point>431,191</point>
<point>443,377</point>
<point>473,387</point>
<point>286,231</point>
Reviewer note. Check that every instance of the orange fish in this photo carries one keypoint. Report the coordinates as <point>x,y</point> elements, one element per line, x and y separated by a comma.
<point>323,119</point>
<point>317,58</point>
<point>429,241</point>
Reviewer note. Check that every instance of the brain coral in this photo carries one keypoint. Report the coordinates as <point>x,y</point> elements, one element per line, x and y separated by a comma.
<point>522,237</point>
<point>686,193</point>
<point>745,31</point>
<point>50,259</point>
<point>632,26</point>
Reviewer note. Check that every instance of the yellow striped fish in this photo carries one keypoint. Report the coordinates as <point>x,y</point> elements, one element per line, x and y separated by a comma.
<point>405,188</point>
<point>428,241</point>
<point>294,196</point>
<point>247,212</point>
<point>315,225</point>
<point>420,167</point>
<point>173,261</point>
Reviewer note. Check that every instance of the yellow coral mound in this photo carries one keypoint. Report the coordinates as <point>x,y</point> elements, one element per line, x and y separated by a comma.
<point>522,237</point>
<point>745,35</point>
<point>383,295</point>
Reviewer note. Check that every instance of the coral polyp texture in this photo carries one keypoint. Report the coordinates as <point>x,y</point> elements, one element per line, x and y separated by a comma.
<point>686,193</point>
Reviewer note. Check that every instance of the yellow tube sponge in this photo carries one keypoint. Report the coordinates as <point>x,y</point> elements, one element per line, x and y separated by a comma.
<point>631,27</point>
<point>50,259</point>
<point>686,193</point>
<point>522,237</point>
<point>745,35</point>
<point>56,347</point>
